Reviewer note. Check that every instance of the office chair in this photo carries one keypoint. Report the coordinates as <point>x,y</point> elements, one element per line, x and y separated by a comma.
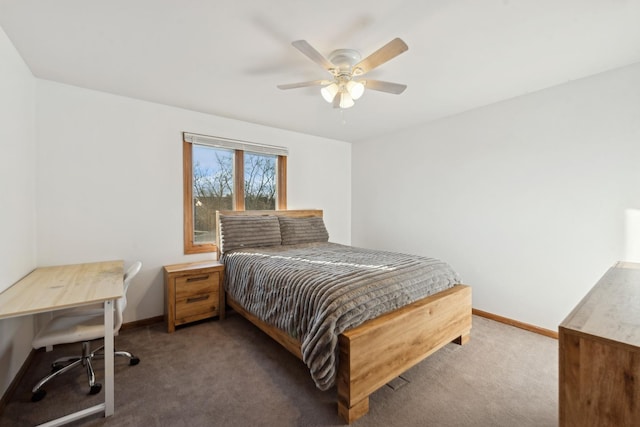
<point>82,325</point>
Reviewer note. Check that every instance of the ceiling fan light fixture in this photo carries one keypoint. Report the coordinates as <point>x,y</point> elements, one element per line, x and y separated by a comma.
<point>329,92</point>
<point>355,89</point>
<point>346,101</point>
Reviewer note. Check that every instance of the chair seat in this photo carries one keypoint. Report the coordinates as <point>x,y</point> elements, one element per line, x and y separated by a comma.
<point>70,329</point>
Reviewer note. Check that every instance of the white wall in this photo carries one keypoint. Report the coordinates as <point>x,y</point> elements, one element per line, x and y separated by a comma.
<point>17,198</point>
<point>110,181</point>
<point>531,199</point>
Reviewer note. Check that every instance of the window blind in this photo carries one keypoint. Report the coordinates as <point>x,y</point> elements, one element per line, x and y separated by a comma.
<point>235,144</point>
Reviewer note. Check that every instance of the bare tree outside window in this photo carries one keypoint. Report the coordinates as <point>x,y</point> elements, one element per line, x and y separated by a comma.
<point>259,181</point>
<point>212,189</point>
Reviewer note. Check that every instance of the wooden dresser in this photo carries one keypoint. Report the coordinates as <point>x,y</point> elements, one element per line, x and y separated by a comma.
<point>599,346</point>
<point>193,292</point>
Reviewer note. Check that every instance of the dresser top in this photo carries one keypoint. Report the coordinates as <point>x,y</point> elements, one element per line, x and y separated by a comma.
<point>611,310</point>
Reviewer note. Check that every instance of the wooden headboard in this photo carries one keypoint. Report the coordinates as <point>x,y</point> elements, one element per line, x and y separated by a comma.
<point>294,213</point>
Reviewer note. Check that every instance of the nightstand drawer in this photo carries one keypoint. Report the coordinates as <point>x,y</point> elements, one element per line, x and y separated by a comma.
<point>202,283</point>
<point>196,305</point>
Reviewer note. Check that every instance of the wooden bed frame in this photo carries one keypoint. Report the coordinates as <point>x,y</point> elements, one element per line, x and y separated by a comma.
<point>380,349</point>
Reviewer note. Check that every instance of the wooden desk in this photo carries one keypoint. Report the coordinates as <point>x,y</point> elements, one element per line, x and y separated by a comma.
<point>600,353</point>
<point>53,288</point>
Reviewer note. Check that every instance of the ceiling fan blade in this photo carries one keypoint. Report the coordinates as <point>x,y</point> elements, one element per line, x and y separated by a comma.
<point>304,84</point>
<point>386,53</point>
<point>304,47</point>
<point>388,87</point>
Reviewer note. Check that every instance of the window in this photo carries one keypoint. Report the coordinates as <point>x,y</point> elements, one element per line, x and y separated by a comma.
<point>223,174</point>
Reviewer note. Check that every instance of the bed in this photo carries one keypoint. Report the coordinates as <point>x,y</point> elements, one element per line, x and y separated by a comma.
<point>365,343</point>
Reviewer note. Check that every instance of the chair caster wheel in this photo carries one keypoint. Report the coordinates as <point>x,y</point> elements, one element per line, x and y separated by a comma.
<point>134,361</point>
<point>95,389</point>
<point>56,367</point>
<point>38,395</point>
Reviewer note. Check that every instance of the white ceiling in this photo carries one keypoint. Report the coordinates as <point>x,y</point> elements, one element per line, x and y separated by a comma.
<point>226,57</point>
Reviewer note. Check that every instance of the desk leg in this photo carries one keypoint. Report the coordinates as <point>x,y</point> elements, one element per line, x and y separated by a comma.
<point>108,359</point>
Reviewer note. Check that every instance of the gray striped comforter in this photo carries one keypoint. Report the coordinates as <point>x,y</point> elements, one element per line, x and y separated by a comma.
<point>316,291</point>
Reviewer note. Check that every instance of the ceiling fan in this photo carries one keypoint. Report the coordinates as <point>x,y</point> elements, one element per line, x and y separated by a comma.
<point>347,69</point>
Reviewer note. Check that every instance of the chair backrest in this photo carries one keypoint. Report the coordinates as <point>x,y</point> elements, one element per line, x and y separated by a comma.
<point>121,303</point>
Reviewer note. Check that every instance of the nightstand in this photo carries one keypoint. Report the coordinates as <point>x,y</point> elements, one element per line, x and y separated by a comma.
<point>193,292</point>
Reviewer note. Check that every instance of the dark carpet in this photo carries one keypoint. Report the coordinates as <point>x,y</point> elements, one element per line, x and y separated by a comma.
<point>228,373</point>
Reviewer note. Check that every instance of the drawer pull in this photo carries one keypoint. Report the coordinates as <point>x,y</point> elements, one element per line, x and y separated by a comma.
<point>197,278</point>
<point>196,299</point>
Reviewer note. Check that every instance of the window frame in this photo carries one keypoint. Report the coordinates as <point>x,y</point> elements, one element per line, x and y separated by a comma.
<point>190,247</point>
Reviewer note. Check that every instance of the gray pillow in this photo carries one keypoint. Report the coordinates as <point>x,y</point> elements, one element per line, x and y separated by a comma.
<point>302,230</point>
<point>248,232</point>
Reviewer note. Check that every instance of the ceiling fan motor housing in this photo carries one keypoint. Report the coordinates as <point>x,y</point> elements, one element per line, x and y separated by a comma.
<point>344,59</point>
